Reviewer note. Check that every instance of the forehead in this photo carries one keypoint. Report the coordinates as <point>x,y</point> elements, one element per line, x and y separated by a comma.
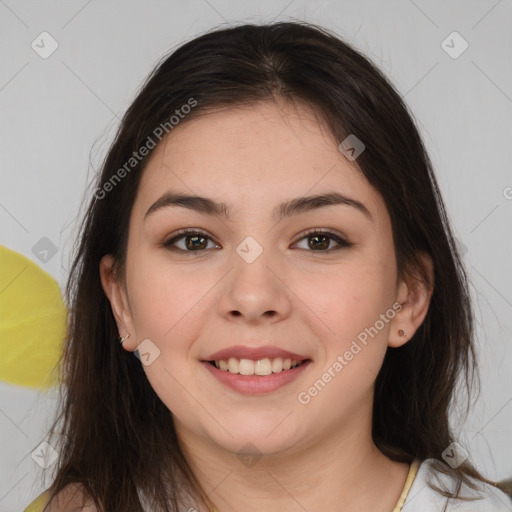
<point>246,154</point>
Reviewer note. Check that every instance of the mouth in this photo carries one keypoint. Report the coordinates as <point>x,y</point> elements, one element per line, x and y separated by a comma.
<point>256,376</point>
<point>256,370</point>
<point>259,367</point>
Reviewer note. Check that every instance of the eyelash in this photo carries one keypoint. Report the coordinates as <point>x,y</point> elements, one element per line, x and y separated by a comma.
<point>182,233</point>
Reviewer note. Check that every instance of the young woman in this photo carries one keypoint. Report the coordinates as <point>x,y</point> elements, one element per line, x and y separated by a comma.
<point>268,241</point>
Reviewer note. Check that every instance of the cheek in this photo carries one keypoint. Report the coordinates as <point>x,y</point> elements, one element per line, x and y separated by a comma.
<point>350,298</point>
<point>164,299</point>
<point>167,308</point>
<point>355,305</point>
<point>356,310</point>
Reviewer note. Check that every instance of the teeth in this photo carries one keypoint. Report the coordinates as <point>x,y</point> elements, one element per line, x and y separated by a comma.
<point>264,366</point>
<point>245,367</point>
<point>277,365</point>
<point>233,365</point>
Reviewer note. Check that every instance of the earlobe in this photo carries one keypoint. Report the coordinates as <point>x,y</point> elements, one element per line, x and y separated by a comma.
<point>414,294</point>
<point>116,295</point>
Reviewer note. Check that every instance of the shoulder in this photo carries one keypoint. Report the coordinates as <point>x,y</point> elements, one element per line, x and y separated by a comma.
<point>486,498</point>
<point>71,499</point>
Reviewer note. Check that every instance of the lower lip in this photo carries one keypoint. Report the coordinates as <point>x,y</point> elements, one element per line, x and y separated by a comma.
<point>255,384</point>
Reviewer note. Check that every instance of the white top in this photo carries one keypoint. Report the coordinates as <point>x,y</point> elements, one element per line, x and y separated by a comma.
<point>422,498</point>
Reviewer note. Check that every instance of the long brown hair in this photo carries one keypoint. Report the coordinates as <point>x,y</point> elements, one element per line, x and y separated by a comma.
<point>115,435</point>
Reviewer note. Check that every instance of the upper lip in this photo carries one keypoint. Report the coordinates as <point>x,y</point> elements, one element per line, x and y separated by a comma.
<point>255,353</point>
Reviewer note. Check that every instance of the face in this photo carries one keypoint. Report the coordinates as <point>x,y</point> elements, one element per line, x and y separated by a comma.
<point>318,280</point>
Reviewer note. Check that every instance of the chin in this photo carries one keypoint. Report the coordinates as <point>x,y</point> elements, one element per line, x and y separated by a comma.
<point>254,440</point>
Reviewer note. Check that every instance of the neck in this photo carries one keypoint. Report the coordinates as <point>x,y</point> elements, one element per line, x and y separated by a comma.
<point>341,470</point>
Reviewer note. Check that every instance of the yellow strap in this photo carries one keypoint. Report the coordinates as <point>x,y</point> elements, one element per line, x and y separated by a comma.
<point>408,484</point>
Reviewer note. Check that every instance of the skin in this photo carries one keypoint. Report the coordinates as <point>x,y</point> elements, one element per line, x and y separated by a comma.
<point>314,457</point>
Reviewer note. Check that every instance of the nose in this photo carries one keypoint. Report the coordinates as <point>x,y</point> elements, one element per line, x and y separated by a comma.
<point>255,292</point>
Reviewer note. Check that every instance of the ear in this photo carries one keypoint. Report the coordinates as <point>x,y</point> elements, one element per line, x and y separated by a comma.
<point>116,293</point>
<point>414,294</point>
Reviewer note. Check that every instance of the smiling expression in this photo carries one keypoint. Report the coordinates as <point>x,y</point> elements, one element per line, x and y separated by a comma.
<point>288,246</point>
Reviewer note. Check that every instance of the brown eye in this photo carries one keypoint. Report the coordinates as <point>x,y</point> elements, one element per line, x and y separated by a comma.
<point>192,241</point>
<point>320,241</point>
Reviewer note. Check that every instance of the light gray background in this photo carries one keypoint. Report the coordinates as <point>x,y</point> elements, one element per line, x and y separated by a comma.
<point>59,114</point>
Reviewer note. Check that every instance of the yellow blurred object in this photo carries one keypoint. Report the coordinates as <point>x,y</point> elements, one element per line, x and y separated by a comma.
<point>32,322</point>
<point>38,504</point>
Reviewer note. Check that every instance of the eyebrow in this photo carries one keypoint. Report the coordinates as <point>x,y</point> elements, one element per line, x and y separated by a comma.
<point>294,206</point>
